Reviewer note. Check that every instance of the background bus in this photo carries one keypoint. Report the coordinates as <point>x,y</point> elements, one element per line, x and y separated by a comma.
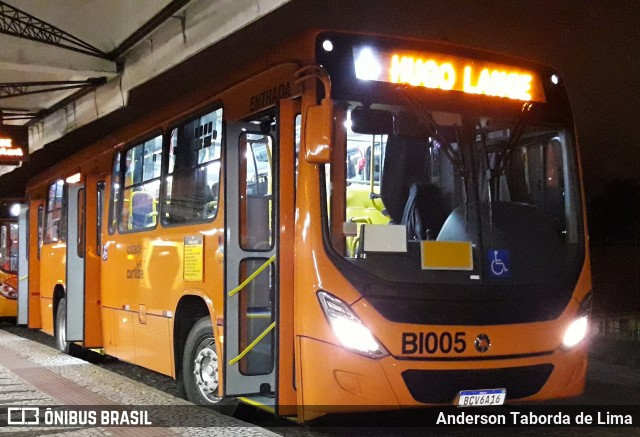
<point>9,258</point>
<point>226,241</point>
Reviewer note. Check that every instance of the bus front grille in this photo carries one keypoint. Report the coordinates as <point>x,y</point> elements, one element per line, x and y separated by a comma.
<point>442,386</point>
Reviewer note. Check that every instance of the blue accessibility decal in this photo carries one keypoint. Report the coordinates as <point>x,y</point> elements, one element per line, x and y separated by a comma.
<point>498,260</point>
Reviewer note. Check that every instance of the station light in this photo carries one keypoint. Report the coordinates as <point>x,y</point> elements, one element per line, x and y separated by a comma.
<point>348,328</point>
<point>555,79</point>
<point>14,211</point>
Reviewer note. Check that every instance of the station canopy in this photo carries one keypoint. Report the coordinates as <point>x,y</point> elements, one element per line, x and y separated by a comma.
<point>65,64</point>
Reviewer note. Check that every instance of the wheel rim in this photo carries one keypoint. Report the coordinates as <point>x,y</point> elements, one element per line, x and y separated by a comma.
<point>205,370</point>
<point>61,333</point>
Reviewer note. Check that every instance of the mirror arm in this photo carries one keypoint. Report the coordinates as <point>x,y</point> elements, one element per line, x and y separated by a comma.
<point>314,72</point>
<point>318,120</point>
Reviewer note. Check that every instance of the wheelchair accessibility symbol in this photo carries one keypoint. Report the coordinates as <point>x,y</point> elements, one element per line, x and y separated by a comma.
<point>499,263</point>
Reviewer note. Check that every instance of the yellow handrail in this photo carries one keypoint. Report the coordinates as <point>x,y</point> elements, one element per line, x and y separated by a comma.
<point>253,343</point>
<point>253,276</point>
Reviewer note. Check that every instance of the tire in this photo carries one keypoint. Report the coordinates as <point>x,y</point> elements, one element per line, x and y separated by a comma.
<point>61,332</point>
<point>200,371</point>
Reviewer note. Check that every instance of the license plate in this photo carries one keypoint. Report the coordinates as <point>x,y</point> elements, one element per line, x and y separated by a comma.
<point>482,398</point>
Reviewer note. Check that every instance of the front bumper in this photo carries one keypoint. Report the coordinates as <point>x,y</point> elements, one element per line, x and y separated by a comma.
<point>334,378</point>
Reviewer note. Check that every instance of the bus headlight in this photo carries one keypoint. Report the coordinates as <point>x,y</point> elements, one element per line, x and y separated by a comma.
<point>349,329</point>
<point>8,291</point>
<point>577,330</point>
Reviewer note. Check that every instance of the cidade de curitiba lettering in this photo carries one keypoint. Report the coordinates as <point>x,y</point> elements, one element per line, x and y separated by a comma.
<point>135,252</point>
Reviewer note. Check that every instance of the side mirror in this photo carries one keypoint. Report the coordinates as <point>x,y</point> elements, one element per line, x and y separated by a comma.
<point>318,132</point>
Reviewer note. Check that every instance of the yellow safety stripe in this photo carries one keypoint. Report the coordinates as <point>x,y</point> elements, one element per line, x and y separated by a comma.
<point>257,404</point>
<point>253,276</point>
<point>253,343</point>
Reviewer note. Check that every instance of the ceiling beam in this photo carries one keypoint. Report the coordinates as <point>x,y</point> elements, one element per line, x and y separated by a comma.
<point>43,62</point>
<point>13,89</point>
<point>18,23</point>
<point>10,114</point>
<point>147,28</point>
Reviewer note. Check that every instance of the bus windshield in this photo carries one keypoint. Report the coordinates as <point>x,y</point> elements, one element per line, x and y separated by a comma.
<point>446,196</point>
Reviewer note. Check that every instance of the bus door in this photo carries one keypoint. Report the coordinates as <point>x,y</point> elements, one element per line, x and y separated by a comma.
<point>23,266</point>
<point>250,264</point>
<point>75,262</point>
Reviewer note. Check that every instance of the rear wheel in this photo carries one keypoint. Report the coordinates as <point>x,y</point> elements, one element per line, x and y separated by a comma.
<point>201,369</point>
<point>61,331</point>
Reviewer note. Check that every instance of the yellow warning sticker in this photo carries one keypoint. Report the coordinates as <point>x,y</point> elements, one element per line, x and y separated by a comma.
<point>446,255</point>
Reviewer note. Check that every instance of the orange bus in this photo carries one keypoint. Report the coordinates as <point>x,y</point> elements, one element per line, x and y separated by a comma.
<point>353,222</point>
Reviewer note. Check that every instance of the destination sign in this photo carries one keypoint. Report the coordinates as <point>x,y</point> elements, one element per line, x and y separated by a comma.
<point>448,73</point>
<point>13,144</point>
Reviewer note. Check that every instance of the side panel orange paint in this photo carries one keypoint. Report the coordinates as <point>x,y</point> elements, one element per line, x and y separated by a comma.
<point>125,322</point>
<point>146,269</point>
<point>46,309</point>
<point>153,346</point>
<point>110,328</point>
<point>8,307</point>
<point>52,272</point>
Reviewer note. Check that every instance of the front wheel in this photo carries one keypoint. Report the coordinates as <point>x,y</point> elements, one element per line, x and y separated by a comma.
<point>201,369</point>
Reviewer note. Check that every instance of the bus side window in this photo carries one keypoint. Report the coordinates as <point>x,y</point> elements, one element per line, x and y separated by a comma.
<point>53,213</point>
<point>191,187</point>
<point>141,185</point>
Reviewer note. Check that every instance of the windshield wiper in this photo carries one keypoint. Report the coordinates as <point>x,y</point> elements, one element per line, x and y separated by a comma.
<point>515,136</point>
<point>434,129</point>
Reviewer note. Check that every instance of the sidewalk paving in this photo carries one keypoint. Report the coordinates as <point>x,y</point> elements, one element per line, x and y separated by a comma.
<point>32,374</point>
